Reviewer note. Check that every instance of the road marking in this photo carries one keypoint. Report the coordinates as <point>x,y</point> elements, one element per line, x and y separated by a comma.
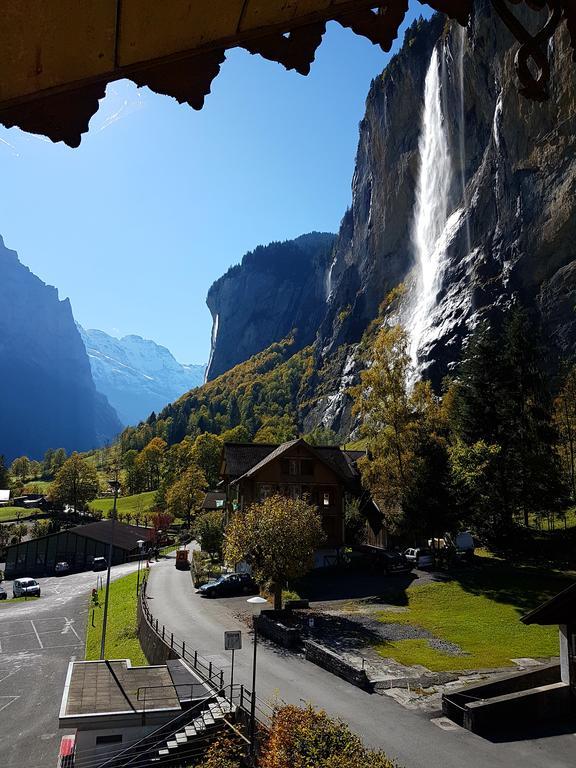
<point>12,700</point>
<point>37,635</point>
<point>69,625</point>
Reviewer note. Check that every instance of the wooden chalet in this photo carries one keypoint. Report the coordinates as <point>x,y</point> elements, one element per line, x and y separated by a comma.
<point>324,474</point>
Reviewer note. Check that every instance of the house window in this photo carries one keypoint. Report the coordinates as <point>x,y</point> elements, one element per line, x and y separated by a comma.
<point>297,467</point>
<point>306,467</point>
<point>293,467</point>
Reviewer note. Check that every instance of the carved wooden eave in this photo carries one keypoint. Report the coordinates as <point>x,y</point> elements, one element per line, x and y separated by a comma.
<point>57,57</point>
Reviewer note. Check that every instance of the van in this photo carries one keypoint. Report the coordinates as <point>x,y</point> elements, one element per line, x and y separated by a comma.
<point>25,587</point>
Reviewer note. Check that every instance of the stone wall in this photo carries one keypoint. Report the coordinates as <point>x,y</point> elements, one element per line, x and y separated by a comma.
<point>156,650</point>
<point>334,663</point>
<point>270,625</point>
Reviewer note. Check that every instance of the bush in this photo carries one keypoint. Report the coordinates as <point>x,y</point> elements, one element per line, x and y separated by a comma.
<point>224,752</point>
<point>303,737</point>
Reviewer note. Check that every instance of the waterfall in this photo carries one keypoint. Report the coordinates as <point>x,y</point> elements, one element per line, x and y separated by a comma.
<point>431,207</point>
<point>462,130</point>
<point>212,345</point>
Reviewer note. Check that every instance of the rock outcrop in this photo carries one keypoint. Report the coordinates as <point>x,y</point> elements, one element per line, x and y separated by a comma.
<point>137,375</point>
<point>277,289</point>
<point>47,395</point>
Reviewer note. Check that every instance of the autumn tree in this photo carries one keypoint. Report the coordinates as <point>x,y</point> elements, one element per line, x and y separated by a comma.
<point>186,493</point>
<point>160,522</point>
<point>209,532</point>
<point>301,737</point>
<point>406,468</point>
<point>149,462</point>
<point>206,452</point>
<point>565,420</point>
<point>20,469</point>
<point>277,538</point>
<point>76,483</point>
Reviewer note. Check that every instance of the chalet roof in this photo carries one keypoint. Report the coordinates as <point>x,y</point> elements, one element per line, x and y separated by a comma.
<point>124,536</point>
<point>560,609</point>
<point>246,459</point>
<point>58,57</point>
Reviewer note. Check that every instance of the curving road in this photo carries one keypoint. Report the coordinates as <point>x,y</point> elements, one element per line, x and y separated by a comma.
<point>414,739</point>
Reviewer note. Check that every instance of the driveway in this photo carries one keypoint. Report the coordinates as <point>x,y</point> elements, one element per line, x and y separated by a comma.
<point>38,638</point>
<point>414,739</point>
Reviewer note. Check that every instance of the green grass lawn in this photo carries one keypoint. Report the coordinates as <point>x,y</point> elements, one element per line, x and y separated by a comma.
<point>479,610</point>
<point>121,639</point>
<point>139,503</point>
<point>11,513</point>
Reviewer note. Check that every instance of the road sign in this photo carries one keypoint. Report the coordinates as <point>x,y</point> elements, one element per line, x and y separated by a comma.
<point>232,640</point>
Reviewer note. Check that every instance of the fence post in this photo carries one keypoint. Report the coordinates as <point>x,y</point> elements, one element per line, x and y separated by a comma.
<point>210,672</point>
<point>183,648</point>
<point>163,631</point>
<point>221,679</point>
<point>195,659</point>
<point>172,640</point>
<point>156,625</point>
<point>242,696</point>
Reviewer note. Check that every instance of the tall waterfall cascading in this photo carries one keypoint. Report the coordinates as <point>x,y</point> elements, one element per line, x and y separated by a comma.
<point>431,207</point>
<point>212,345</point>
<point>462,130</point>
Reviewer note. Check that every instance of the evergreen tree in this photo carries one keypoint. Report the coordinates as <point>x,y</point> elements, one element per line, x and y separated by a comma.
<point>4,476</point>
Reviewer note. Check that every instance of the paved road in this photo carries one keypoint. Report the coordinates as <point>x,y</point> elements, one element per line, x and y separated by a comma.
<point>415,740</point>
<point>37,640</point>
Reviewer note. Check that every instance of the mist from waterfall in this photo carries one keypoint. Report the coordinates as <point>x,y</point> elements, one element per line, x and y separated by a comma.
<point>462,129</point>
<point>431,206</point>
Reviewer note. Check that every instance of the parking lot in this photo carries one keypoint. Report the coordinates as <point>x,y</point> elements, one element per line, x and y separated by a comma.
<point>39,634</point>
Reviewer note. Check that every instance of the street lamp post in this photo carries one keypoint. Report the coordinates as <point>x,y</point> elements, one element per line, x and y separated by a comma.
<point>254,601</point>
<point>115,485</point>
<point>140,543</point>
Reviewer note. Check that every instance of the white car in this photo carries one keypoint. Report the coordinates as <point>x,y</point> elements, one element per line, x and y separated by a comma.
<point>422,558</point>
<point>25,587</point>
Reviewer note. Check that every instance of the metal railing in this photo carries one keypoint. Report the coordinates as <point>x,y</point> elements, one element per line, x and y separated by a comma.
<point>211,674</point>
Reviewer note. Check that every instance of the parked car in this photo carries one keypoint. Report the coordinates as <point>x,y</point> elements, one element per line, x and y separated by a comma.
<point>421,558</point>
<point>25,587</point>
<point>3,593</point>
<point>62,568</point>
<point>395,562</point>
<point>99,564</point>
<point>229,585</point>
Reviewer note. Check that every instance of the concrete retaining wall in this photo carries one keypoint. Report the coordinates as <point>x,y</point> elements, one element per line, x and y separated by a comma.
<point>506,698</point>
<point>155,649</point>
<point>334,663</point>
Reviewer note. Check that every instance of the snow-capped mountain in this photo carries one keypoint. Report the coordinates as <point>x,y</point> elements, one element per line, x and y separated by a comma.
<point>137,375</point>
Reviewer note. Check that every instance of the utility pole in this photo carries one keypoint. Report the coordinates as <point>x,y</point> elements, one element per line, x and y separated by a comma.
<point>115,485</point>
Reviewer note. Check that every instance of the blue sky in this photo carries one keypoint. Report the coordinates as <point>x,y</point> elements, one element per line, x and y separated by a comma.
<point>159,200</point>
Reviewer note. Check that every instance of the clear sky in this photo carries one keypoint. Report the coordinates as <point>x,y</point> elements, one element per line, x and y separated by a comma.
<point>159,200</point>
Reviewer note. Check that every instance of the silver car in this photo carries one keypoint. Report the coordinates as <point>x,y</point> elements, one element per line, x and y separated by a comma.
<point>25,587</point>
<point>421,558</point>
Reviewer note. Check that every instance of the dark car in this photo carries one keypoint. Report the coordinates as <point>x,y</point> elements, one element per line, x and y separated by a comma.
<point>395,562</point>
<point>61,568</point>
<point>99,564</point>
<point>229,585</point>
<point>3,593</point>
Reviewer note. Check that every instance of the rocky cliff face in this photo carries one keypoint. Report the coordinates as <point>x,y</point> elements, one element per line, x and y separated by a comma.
<point>277,289</point>
<point>47,395</point>
<point>463,190</point>
<point>137,375</point>
<point>511,202</point>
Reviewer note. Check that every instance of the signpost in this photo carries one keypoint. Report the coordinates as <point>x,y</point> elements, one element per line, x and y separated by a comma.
<point>232,642</point>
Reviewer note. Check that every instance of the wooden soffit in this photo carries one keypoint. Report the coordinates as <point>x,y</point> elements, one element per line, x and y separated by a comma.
<point>57,56</point>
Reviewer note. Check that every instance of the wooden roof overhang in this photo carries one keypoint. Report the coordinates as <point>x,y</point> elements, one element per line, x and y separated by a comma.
<point>57,56</point>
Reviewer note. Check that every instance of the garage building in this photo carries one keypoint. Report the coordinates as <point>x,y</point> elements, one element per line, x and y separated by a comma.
<point>76,546</point>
